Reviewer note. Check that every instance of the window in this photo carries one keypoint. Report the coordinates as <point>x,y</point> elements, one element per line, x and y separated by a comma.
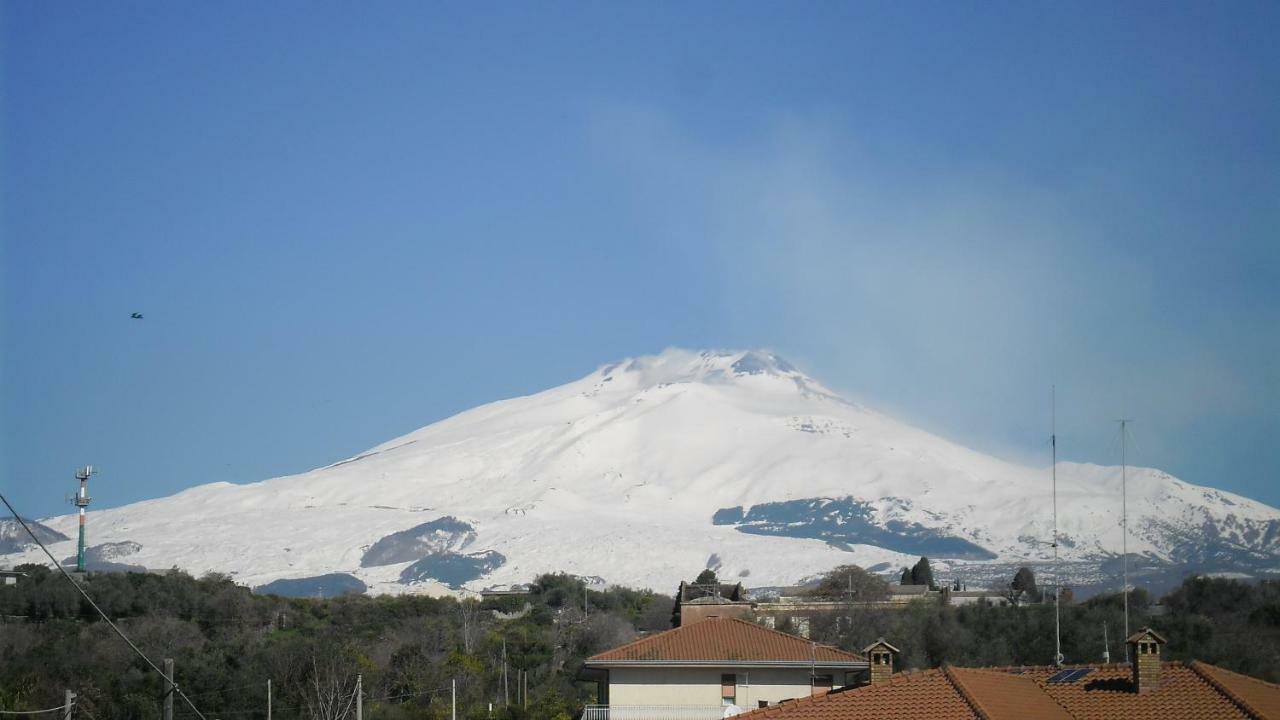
<point>821,684</point>
<point>728,689</point>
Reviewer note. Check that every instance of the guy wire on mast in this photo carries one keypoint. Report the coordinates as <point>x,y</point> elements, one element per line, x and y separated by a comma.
<point>1124,527</point>
<point>94,605</point>
<point>1057,569</point>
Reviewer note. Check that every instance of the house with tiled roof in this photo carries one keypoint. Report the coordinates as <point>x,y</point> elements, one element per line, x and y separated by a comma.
<point>1148,689</point>
<point>702,670</point>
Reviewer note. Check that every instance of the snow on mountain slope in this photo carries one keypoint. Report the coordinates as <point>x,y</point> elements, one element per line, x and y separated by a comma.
<point>647,470</point>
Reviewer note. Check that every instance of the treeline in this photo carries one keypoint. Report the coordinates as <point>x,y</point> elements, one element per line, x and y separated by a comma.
<point>1229,623</point>
<point>226,643</point>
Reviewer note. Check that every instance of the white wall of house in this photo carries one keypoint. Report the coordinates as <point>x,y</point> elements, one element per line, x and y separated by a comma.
<point>701,686</point>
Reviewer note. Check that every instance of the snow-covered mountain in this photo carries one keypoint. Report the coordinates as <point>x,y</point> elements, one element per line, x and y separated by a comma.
<point>647,470</point>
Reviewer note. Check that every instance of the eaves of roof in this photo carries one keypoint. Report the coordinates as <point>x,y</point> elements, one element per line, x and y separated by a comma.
<point>825,664</point>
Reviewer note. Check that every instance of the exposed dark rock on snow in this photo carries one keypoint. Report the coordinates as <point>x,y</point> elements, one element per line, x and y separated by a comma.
<point>102,558</point>
<point>325,586</point>
<point>442,535</point>
<point>14,539</point>
<point>845,521</point>
<point>453,569</point>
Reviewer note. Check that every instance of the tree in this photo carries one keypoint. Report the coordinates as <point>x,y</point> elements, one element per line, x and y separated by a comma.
<point>329,690</point>
<point>906,577</point>
<point>706,577</point>
<point>922,574</point>
<point>469,614</point>
<point>851,582</point>
<point>1024,584</point>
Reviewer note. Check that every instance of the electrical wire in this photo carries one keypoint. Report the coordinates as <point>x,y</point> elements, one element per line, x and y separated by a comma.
<point>60,708</point>
<point>279,708</point>
<point>102,614</point>
<point>409,695</point>
<point>222,690</point>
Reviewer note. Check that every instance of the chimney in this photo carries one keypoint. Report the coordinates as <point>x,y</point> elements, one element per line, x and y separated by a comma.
<point>880,654</point>
<point>1144,648</point>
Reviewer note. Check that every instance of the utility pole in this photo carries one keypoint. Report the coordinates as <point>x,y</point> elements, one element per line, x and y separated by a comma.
<point>68,700</point>
<point>359,697</point>
<point>268,698</point>
<point>167,707</point>
<point>453,702</point>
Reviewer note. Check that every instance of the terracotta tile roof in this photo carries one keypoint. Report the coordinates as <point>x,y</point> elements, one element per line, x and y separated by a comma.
<point>1187,691</point>
<point>1108,692</point>
<point>725,640</point>
<point>924,694</point>
<point>996,695</point>
<point>1256,696</point>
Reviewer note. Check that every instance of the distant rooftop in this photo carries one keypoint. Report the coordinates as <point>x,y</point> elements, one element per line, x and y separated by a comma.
<point>726,641</point>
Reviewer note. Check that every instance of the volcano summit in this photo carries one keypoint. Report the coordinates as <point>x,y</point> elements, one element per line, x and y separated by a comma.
<point>648,469</point>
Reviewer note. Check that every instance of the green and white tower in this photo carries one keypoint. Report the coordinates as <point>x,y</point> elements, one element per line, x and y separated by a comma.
<point>81,501</point>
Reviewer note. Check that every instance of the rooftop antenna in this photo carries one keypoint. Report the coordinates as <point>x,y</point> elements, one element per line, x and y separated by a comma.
<point>1057,570</point>
<point>1124,526</point>
<point>82,500</point>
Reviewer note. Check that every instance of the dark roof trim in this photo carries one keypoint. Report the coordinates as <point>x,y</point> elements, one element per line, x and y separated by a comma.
<point>840,665</point>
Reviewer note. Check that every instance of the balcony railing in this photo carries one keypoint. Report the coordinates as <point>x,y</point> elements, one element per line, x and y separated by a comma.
<point>653,712</point>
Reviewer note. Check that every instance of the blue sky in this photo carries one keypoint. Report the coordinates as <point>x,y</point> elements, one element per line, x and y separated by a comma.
<point>343,222</point>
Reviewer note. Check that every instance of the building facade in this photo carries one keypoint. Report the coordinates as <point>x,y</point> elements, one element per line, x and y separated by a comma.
<point>715,666</point>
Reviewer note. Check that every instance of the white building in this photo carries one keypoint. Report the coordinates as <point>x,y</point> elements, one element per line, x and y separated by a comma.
<point>712,669</point>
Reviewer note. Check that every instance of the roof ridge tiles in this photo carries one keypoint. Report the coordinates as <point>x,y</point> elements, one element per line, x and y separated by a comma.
<point>1190,689</point>
<point>642,638</point>
<point>760,643</point>
<point>961,677</point>
<point>789,636</point>
<point>965,694</point>
<point>1202,671</point>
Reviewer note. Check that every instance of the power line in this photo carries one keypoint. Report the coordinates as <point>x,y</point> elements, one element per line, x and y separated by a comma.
<point>60,708</point>
<point>303,707</point>
<point>409,695</point>
<point>222,690</point>
<point>94,605</point>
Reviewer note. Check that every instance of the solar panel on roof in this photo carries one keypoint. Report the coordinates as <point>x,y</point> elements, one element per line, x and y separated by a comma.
<point>1069,675</point>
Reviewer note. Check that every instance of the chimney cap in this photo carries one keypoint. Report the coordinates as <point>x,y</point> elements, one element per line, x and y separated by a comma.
<point>1147,633</point>
<point>878,644</point>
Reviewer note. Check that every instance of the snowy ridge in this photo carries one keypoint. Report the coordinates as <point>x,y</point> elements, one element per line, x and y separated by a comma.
<point>634,474</point>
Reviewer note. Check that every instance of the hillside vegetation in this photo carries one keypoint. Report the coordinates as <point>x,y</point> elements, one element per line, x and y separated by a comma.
<point>227,642</point>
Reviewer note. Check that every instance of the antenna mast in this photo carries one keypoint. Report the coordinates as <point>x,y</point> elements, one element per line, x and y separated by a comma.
<point>1124,525</point>
<point>81,501</point>
<point>1057,570</point>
